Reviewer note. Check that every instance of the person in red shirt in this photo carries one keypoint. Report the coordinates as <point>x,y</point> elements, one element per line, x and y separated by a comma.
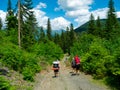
<point>77,61</point>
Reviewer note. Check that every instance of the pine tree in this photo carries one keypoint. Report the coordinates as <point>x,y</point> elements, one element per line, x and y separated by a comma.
<point>49,36</point>
<point>29,24</point>
<point>72,35</point>
<point>63,41</point>
<point>11,20</point>
<point>0,23</point>
<point>98,27</point>
<point>67,40</point>
<point>57,39</point>
<point>111,23</point>
<point>42,35</point>
<point>91,25</point>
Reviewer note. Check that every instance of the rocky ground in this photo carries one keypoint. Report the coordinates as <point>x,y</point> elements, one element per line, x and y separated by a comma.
<point>66,81</point>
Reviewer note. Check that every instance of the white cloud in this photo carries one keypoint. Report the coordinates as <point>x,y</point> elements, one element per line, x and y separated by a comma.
<point>59,23</point>
<point>56,23</point>
<point>3,16</point>
<point>118,14</point>
<point>41,17</point>
<point>75,8</point>
<point>41,5</point>
<point>77,13</point>
<point>79,10</point>
<point>100,12</point>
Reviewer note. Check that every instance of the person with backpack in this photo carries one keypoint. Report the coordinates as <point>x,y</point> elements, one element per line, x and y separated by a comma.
<point>77,61</point>
<point>73,65</point>
<point>56,68</point>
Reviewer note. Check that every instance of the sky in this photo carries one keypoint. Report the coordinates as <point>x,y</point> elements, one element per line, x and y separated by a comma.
<point>64,12</point>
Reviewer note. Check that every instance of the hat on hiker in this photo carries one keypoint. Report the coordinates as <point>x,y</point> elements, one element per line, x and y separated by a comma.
<point>55,62</point>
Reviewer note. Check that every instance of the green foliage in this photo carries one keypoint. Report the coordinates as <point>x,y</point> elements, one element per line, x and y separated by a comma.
<point>29,25</point>
<point>99,57</point>
<point>5,84</point>
<point>13,36</point>
<point>11,19</point>
<point>19,60</point>
<point>94,59</point>
<point>49,50</point>
<point>112,23</point>
<point>31,66</point>
<point>41,37</point>
<point>91,25</point>
<point>82,45</point>
<point>116,71</point>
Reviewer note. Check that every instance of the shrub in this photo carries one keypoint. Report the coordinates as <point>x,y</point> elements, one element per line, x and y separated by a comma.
<point>49,50</point>
<point>4,84</point>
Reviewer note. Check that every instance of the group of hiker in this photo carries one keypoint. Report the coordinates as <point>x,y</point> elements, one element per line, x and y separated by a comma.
<point>75,64</point>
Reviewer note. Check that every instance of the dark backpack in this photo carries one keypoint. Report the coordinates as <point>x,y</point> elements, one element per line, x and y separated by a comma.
<point>55,66</point>
<point>73,63</point>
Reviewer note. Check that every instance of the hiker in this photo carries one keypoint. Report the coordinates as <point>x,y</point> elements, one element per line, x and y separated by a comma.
<point>77,61</point>
<point>73,65</point>
<point>56,68</point>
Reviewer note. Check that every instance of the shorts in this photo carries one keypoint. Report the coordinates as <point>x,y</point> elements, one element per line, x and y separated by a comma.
<point>56,69</point>
<point>77,66</point>
<point>73,66</point>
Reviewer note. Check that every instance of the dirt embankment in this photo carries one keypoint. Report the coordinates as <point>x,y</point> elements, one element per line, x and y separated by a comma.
<point>66,81</point>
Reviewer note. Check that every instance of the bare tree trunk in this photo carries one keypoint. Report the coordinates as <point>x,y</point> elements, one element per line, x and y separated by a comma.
<point>19,40</point>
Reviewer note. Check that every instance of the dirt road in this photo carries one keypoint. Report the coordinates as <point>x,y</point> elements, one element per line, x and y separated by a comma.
<point>66,81</point>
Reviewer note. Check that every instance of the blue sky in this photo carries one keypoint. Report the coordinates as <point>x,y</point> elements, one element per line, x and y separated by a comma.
<point>64,12</point>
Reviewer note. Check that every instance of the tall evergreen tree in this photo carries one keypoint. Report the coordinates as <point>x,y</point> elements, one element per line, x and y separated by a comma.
<point>57,39</point>
<point>9,8</point>
<point>111,23</point>
<point>72,34</point>
<point>98,27</point>
<point>63,40</point>
<point>42,35</point>
<point>29,25</point>
<point>67,40</point>
<point>49,30</point>
<point>91,25</point>
<point>0,23</point>
<point>11,20</point>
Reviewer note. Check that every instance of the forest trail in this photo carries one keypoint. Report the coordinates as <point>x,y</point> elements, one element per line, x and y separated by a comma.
<point>66,81</point>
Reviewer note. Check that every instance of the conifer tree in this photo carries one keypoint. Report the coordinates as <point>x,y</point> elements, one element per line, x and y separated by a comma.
<point>72,34</point>
<point>91,25</point>
<point>63,41</point>
<point>98,27</point>
<point>11,20</point>
<point>0,23</point>
<point>42,34</point>
<point>29,25</point>
<point>49,36</point>
<point>67,40</point>
<point>111,23</point>
<point>57,39</point>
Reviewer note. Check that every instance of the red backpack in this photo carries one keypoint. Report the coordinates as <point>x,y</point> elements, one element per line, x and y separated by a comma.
<point>77,60</point>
